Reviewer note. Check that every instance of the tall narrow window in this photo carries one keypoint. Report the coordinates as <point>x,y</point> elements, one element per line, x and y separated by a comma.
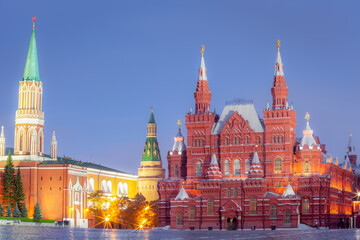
<point>198,170</point>
<point>234,141</point>
<point>229,192</point>
<point>253,203</point>
<point>176,171</point>
<point>277,165</point>
<point>305,205</point>
<point>273,211</point>
<point>195,143</point>
<point>287,216</point>
<point>91,184</point>
<point>21,143</point>
<point>192,213</point>
<point>258,140</point>
<point>210,207</point>
<point>274,139</point>
<point>235,192</point>
<point>247,166</point>
<point>226,141</point>
<point>237,167</point>
<point>226,167</point>
<point>282,139</point>
<point>103,185</point>
<point>179,219</point>
<point>247,140</point>
<point>306,166</point>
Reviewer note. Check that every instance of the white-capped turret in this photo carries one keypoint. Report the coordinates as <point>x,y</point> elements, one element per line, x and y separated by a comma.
<point>308,138</point>
<point>2,142</point>
<point>279,69</point>
<point>53,146</point>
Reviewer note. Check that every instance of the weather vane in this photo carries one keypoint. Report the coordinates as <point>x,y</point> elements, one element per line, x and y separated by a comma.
<point>202,50</point>
<point>278,44</point>
<point>307,117</point>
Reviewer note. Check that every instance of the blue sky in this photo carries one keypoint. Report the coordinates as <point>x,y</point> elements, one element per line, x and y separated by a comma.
<point>103,64</point>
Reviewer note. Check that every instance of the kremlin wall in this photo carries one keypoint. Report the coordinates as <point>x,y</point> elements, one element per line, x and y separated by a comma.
<point>238,170</point>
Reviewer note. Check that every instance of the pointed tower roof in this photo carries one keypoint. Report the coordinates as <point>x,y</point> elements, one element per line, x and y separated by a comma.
<point>31,71</point>
<point>179,144</point>
<point>53,139</point>
<point>151,149</point>
<point>279,69</point>
<point>2,132</point>
<point>308,137</point>
<point>256,170</point>
<point>214,170</point>
<point>288,191</point>
<point>152,118</point>
<point>202,70</point>
<point>182,195</point>
<point>350,149</point>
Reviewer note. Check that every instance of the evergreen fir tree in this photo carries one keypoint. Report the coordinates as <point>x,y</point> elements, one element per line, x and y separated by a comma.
<point>9,181</point>
<point>19,195</point>
<point>24,211</point>
<point>17,212</point>
<point>8,211</point>
<point>37,212</point>
<point>1,210</point>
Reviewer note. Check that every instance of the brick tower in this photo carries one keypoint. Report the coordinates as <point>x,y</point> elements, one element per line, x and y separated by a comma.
<point>29,120</point>
<point>280,123</point>
<point>150,170</point>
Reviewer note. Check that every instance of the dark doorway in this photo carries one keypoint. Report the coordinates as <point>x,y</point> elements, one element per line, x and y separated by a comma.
<point>231,224</point>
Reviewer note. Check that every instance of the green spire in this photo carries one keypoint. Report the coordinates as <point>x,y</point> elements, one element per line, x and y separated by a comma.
<point>152,118</point>
<point>31,71</point>
<point>151,150</point>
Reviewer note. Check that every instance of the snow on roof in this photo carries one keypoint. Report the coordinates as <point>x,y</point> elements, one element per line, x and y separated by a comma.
<point>182,195</point>
<point>214,160</point>
<point>247,111</point>
<point>288,191</point>
<point>255,159</point>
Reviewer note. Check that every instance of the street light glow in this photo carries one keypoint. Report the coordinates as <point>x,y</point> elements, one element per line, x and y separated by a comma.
<point>107,219</point>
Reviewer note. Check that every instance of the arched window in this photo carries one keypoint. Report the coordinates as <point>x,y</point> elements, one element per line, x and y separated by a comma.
<point>247,166</point>
<point>198,170</point>
<point>103,185</point>
<point>278,139</point>
<point>192,213</point>
<point>176,174</point>
<point>226,167</point>
<point>210,207</point>
<point>235,192</point>
<point>306,166</point>
<point>253,203</point>
<point>229,192</point>
<point>179,219</point>
<point>287,216</point>
<point>274,139</point>
<point>278,165</point>
<point>305,205</point>
<point>195,143</point>
<point>273,211</point>
<point>226,141</point>
<point>125,188</point>
<point>120,188</point>
<point>91,184</point>
<point>239,140</point>
<point>21,142</point>
<point>109,186</point>
<point>234,141</point>
<point>247,140</point>
<point>282,139</point>
<point>237,167</point>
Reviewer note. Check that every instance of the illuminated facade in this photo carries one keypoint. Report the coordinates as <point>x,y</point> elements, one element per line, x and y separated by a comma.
<point>241,171</point>
<point>60,185</point>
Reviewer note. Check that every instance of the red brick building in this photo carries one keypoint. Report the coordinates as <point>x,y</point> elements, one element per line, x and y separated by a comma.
<point>243,171</point>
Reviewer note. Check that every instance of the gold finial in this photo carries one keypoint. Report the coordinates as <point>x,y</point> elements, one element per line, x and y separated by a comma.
<point>307,117</point>
<point>179,123</point>
<point>278,44</point>
<point>202,50</point>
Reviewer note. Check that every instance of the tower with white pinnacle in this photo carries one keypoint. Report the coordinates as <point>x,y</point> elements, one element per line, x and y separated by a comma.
<point>53,146</point>
<point>29,119</point>
<point>2,142</point>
